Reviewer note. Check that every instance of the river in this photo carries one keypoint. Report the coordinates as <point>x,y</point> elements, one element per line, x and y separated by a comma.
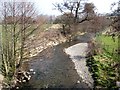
<point>53,68</point>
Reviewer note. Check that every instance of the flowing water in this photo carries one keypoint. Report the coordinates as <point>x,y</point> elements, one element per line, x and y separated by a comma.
<point>53,68</point>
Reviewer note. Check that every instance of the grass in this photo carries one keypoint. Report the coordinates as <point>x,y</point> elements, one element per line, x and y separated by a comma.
<point>107,42</point>
<point>101,65</point>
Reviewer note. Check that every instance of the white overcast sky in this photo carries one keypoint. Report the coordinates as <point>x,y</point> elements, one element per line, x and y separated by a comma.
<point>46,6</point>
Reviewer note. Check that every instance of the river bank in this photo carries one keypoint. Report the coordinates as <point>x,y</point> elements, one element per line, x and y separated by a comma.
<point>38,42</point>
<point>55,69</point>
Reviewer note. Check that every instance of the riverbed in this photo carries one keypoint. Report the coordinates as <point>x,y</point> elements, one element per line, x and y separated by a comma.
<point>54,69</point>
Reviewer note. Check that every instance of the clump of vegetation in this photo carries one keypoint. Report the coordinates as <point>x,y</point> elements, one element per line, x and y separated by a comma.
<point>103,65</point>
<point>103,74</point>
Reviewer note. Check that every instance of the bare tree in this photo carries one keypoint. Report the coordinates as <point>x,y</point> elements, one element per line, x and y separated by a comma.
<point>116,17</point>
<point>78,8</point>
<point>75,12</point>
<point>17,25</point>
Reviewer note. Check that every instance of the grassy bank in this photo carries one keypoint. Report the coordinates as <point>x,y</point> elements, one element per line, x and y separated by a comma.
<point>103,64</point>
<point>107,42</point>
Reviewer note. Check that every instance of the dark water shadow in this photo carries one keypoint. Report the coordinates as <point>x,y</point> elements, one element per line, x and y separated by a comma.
<point>54,69</point>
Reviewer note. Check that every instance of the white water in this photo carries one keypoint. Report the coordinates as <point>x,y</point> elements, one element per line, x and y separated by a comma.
<point>77,53</point>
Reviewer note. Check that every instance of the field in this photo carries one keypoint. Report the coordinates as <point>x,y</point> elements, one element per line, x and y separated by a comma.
<point>108,42</point>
